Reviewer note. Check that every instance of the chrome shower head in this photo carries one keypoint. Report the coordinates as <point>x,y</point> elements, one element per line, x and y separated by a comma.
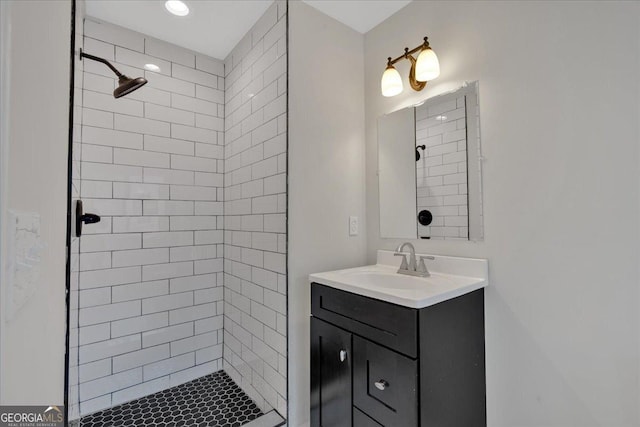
<point>126,85</point>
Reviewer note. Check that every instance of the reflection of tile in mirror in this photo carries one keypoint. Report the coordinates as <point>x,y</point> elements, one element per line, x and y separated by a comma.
<point>441,171</point>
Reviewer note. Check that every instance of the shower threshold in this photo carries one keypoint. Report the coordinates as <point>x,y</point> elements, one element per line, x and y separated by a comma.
<point>212,400</point>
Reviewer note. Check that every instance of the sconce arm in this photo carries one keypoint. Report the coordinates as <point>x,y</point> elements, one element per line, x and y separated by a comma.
<point>407,53</point>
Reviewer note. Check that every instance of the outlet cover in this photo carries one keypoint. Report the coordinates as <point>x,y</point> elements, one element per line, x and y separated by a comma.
<point>353,226</point>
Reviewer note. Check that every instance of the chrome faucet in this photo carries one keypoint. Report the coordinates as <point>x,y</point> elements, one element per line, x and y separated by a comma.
<point>413,267</point>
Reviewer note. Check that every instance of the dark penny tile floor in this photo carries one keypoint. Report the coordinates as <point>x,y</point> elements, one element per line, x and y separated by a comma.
<point>213,400</point>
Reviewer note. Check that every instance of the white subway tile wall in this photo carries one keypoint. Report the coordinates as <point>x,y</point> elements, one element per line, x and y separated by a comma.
<point>150,305</point>
<point>441,172</point>
<point>255,343</point>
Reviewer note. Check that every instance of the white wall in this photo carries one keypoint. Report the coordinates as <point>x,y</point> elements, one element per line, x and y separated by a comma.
<point>4,147</point>
<point>33,342</point>
<point>559,112</point>
<point>326,170</point>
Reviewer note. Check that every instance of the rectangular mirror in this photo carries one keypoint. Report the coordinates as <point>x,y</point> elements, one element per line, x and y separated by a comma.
<point>429,169</point>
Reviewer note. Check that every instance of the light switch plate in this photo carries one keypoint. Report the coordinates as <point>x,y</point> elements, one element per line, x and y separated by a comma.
<point>353,226</point>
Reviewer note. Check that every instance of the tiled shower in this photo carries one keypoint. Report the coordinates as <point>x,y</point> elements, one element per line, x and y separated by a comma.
<point>441,171</point>
<point>185,275</point>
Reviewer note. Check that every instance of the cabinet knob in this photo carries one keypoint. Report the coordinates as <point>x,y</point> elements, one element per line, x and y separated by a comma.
<point>381,385</point>
<point>343,355</point>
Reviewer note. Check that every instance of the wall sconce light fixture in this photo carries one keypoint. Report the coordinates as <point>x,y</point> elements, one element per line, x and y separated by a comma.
<point>425,68</point>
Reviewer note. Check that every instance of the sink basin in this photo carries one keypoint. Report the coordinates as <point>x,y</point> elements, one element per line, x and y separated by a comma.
<point>381,281</point>
<point>393,280</point>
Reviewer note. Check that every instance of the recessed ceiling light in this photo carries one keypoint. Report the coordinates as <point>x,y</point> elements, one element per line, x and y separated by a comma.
<point>441,118</point>
<point>152,67</point>
<point>177,7</point>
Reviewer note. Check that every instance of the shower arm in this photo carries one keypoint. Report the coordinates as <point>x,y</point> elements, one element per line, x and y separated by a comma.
<point>104,61</point>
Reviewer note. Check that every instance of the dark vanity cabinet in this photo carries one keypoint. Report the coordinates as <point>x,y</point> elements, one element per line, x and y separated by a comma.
<point>374,363</point>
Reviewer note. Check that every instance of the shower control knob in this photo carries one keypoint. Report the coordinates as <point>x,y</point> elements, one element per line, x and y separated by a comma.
<point>90,218</point>
<point>84,218</point>
<point>425,217</point>
<point>343,355</point>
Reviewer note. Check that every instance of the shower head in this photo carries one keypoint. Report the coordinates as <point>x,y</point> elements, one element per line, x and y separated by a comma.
<point>126,85</point>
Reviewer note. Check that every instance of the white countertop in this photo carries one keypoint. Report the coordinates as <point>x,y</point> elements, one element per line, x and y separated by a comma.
<point>450,277</point>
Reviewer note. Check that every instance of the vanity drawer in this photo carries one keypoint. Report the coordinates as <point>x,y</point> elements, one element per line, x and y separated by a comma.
<point>385,384</point>
<point>360,419</point>
<point>389,324</point>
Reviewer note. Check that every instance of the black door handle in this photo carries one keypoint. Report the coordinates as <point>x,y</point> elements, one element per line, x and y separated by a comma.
<point>84,218</point>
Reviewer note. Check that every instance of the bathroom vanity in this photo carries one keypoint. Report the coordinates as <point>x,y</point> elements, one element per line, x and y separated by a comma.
<point>392,350</point>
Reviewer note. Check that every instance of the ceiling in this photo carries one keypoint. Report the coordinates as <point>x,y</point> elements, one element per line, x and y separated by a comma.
<point>361,15</point>
<point>214,27</point>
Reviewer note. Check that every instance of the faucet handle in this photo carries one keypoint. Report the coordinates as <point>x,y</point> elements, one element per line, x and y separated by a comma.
<point>422,268</point>
<point>404,265</point>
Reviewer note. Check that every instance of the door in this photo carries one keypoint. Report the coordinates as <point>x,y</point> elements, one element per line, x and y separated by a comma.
<point>330,375</point>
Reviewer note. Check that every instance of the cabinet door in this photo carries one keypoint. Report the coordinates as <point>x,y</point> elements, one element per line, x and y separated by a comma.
<point>330,375</point>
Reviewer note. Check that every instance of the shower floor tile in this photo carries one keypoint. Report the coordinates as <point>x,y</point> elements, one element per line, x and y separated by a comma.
<point>213,400</point>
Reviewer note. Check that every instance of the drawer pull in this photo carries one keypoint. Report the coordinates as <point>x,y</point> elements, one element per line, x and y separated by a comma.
<point>343,355</point>
<point>381,385</point>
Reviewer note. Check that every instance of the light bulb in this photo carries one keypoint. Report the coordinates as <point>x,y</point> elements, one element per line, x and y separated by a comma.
<point>391,83</point>
<point>177,7</point>
<point>152,67</point>
<point>427,66</point>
